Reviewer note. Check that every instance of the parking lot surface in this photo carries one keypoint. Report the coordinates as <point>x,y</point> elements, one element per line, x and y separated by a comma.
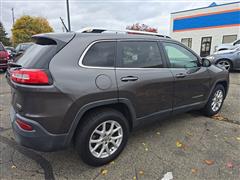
<point>188,146</point>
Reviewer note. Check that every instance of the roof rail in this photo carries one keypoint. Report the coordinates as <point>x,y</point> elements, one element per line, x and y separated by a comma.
<point>101,30</point>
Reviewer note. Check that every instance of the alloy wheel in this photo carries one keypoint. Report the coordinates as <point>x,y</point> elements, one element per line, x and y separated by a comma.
<point>225,64</point>
<point>217,100</point>
<point>105,139</point>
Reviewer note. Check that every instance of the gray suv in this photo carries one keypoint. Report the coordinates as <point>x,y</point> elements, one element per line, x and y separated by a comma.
<point>228,59</point>
<point>92,89</point>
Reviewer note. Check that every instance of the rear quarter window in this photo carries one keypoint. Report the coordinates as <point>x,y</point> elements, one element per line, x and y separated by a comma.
<point>100,54</point>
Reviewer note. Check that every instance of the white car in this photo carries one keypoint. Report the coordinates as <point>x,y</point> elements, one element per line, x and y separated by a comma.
<point>228,46</point>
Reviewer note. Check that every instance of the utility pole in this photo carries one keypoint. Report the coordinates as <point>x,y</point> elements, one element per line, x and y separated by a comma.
<point>68,16</point>
<point>13,18</point>
<point>13,21</point>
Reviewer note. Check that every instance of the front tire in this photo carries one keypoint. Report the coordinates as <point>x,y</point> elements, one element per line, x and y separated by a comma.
<point>225,64</point>
<point>102,137</point>
<point>215,101</point>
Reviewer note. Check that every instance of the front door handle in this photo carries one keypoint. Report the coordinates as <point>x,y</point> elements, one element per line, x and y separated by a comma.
<point>180,75</point>
<point>129,78</point>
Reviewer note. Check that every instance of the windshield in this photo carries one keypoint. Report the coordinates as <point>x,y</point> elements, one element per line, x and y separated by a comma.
<point>25,46</point>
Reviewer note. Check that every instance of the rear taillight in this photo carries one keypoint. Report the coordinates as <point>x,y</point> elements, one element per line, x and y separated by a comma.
<point>24,125</point>
<point>7,56</point>
<point>30,76</point>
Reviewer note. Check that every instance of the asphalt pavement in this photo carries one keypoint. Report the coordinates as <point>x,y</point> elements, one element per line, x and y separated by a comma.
<point>187,146</point>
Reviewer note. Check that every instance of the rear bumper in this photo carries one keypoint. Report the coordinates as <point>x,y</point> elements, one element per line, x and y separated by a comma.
<point>38,139</point>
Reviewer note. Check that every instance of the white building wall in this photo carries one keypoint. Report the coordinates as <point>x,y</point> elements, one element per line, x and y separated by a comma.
<point>196,35</point>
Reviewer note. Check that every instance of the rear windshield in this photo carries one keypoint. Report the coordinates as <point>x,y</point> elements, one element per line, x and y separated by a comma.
<point>25,46</point>
<point>37,56</point>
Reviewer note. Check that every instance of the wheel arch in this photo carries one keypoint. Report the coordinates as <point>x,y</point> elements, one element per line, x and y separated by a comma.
<point>222,82</point>
<point>122,105</point>
<point>221,49</point>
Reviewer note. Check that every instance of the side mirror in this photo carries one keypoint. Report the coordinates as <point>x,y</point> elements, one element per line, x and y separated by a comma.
<point>206,62</point>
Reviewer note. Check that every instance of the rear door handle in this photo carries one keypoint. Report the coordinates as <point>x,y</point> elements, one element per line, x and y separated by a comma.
<point>180,75</point>
<point>129,78</point>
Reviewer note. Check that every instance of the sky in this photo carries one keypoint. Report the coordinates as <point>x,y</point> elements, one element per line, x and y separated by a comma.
<point>112,14</point>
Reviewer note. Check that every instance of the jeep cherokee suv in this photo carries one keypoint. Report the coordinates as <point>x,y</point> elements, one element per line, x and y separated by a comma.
<point>92,89</point>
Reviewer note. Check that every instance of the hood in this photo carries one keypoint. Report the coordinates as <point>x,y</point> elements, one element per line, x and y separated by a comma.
<point>226,44</point>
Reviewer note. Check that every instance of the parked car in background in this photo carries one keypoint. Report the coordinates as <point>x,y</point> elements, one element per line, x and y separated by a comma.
<point>228,46</point>
<point>92,89</point>
<point>20,49</point>
<point>4,57</point>
<point>11,51</point>
<point>229,59</point>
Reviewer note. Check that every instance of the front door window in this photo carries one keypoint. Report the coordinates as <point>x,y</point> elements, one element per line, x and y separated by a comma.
<point>180,57</point>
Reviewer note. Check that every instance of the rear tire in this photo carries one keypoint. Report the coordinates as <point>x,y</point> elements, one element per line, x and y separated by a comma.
<point>98,140</point>
<point>215,101</point>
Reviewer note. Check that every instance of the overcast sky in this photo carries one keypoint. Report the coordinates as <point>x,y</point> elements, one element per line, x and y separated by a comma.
<point>100,13</point>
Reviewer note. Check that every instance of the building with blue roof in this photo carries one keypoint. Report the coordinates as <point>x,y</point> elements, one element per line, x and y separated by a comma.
<point>202,29</point>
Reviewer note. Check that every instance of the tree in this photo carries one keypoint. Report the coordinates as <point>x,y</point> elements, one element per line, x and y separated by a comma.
<point>142,27</point>
<point>26,26</point>
<point>3,36</point>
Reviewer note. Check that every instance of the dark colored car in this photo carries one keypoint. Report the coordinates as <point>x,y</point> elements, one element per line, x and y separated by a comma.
<point>20,49</point>
<point>92,89</point>
<point>4,57</point>
<point>228,59</point>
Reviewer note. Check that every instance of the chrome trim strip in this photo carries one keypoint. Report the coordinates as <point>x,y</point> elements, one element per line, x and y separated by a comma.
<point>198,96</point>
<point>97,67</point>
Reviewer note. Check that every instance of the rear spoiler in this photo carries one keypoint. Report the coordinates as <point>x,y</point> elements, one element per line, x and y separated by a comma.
<point>64,37</point>
<point>60,39</point>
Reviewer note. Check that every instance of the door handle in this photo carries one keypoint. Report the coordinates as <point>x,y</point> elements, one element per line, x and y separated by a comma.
<point>129,78</point>
<point>180,75</point>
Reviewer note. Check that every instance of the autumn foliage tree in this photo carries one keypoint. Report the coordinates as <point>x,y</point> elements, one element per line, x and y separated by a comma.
<point>26,26</point>
<point>142,27</point>
<point>3,36</point>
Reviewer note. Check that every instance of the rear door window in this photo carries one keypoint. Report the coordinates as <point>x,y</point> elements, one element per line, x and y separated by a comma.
<point>100,54</point>
<point>139,54</point>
